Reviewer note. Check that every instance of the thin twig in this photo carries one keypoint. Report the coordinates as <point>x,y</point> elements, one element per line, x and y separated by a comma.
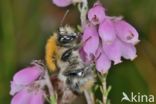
<point>83,12</point>
<point>48,83</point>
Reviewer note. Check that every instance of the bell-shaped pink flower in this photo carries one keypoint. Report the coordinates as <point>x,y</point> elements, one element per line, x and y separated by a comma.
<point>62,3</point>
<point>103,63</point>
<point>128,51</point>
<point>26,96</point>
<point>96,14</point>
<point>126,32</point>
<point>113,51</point>
<point>25,77</point>
<point>90,40</point>
<point>107,32</point>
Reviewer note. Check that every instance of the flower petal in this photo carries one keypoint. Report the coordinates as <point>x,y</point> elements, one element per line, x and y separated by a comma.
<point>126,32</point>
<point>90,39</point>
<point>15,88</point>
<point>107,32</point>
<point>62,3</point>
<point>128,51</point>
<point>38,97</point>
<point>83,56</point>
<point>91,46</point>
<point>113,51</point>
<point>27,75</point>
<point>103,63</point>
<point>23,97</point>
<point>96,14</point>
<point>89,31</point>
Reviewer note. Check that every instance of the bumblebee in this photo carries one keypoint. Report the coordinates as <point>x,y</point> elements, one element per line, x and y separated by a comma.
<point>62,54</point>
<point>60,46</point>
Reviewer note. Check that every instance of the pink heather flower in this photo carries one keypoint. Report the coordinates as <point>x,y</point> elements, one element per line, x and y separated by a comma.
<point>103,63</point>
<point>107,32</point>
<point>107,44</point>
<point>62,3</point>
<point>25,77</point>
<point>90,40</point>
<point>113,51</point>
<point>96,14</point>
<point>29,96</point>
<point>119,49</point>
<point>128,51</point>
<point>126,32</point>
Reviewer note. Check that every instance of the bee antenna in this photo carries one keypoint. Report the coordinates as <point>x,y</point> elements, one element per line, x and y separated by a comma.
<point>65,15</point>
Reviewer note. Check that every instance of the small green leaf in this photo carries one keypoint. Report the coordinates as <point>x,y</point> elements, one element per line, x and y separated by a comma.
<point>53,100</point>
<point>98,101</point>
<point>96,87</point>
<point>79,28</point>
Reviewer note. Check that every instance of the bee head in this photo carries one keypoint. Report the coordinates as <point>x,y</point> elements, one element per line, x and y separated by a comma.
<point>67,35</point>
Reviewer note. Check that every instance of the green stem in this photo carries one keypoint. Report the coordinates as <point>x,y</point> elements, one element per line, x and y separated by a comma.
<point>53,99</point>
<point>103,88</point>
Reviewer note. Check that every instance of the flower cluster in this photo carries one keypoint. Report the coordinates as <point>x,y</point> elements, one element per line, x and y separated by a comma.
<point>106,39</point>
<point>27,86</point>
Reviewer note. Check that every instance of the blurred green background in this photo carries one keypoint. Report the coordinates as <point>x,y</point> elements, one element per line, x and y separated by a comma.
<point>25,25</point>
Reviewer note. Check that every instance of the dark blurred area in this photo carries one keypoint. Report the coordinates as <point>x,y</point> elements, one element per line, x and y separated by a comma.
<point>25,25</point>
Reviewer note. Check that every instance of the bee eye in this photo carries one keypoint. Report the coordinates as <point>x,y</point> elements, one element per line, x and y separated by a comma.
<point>80,73</point>
<point>66,38</point>
<point>74,73</point>
<point>66,55</point>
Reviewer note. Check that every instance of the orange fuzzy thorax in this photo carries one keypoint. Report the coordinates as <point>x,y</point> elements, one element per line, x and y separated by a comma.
<point>51,52</point>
